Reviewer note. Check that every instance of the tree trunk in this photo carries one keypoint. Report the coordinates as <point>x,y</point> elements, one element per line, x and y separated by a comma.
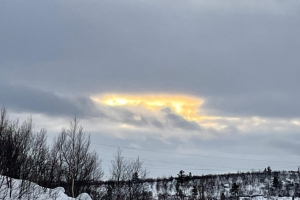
<point>73,186</point>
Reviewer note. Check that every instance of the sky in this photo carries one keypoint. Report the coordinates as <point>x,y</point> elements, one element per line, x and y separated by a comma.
<point>207,87</point>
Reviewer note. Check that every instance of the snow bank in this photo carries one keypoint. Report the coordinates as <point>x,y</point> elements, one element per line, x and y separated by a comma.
<point>83,196</point>
<point>11,189</point>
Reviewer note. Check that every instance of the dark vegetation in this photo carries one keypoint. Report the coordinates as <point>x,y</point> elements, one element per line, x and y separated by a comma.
<point>25,155</point>
<point>70,163</point>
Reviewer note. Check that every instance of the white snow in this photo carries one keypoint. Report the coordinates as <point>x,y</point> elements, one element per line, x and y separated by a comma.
<point>33,191</point>
<point>83,196</point>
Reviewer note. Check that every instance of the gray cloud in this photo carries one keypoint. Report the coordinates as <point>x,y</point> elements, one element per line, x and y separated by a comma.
<point>288,143</point>
<point>273,104</point>
<point>22,98</point>
<point>170,119</point>
<point>130,118</point>
<point>178,121</point>
<point>123,115</point>
<point>33,33</point>
<point>199,48</point>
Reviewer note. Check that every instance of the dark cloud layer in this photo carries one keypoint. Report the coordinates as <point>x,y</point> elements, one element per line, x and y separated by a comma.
<point>178,121</point>
<point>169,120</point>
<point>22,98</point>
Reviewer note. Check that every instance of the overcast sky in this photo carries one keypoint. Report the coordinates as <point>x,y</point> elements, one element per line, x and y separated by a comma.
<point>203,86</point>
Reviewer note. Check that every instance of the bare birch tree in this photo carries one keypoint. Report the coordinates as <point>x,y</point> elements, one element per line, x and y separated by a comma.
<point>128,176</point>
<point>79,164</point>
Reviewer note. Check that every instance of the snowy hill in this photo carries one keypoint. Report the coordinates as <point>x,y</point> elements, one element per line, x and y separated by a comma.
<point>11,189</point>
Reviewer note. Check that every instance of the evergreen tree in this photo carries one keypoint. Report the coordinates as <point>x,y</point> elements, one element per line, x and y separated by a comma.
<point>135,177</point>
<point>275,182</point>
<point>181,177</point>
<point>234,189</point>
<point>223,196</point>
<point>195,191</point>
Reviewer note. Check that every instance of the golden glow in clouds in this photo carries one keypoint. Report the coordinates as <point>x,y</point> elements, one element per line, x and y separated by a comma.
<point>185,106</point>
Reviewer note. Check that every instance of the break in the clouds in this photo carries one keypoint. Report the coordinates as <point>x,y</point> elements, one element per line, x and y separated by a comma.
<point>234,65</point>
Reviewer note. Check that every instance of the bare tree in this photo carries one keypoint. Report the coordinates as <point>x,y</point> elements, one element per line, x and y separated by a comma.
<point>25,155</point>
<point>15,145</point>
<point>128,176</point>
<point>136,176</point>
<point>163,188</point>
<point>39,157</point>
<point>77,162</point>
<point>118,173</point>
<point>3,167</point>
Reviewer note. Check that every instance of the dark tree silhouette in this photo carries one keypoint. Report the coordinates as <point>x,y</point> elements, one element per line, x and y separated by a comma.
<point>195,192</point>
<point>78,164</point>
<point>234,189</point>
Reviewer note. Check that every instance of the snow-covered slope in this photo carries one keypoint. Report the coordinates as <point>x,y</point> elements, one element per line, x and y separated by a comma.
<point>19,189</point>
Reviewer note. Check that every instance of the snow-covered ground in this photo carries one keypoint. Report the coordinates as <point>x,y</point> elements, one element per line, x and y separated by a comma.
<point>27,190</point>
<point>271,198</point>
<point>31,191</point>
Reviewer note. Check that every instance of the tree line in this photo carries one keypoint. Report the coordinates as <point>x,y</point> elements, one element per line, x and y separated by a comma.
<point>68,162</point>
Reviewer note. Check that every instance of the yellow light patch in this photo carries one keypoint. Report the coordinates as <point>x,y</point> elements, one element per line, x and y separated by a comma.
<point>186,106</point>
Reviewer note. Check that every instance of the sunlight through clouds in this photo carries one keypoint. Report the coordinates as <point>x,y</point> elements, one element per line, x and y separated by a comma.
<point>183,113</point>
<point>185,106</point>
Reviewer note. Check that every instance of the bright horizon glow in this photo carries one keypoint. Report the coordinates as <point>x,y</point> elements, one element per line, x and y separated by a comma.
<point>186,106</point>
